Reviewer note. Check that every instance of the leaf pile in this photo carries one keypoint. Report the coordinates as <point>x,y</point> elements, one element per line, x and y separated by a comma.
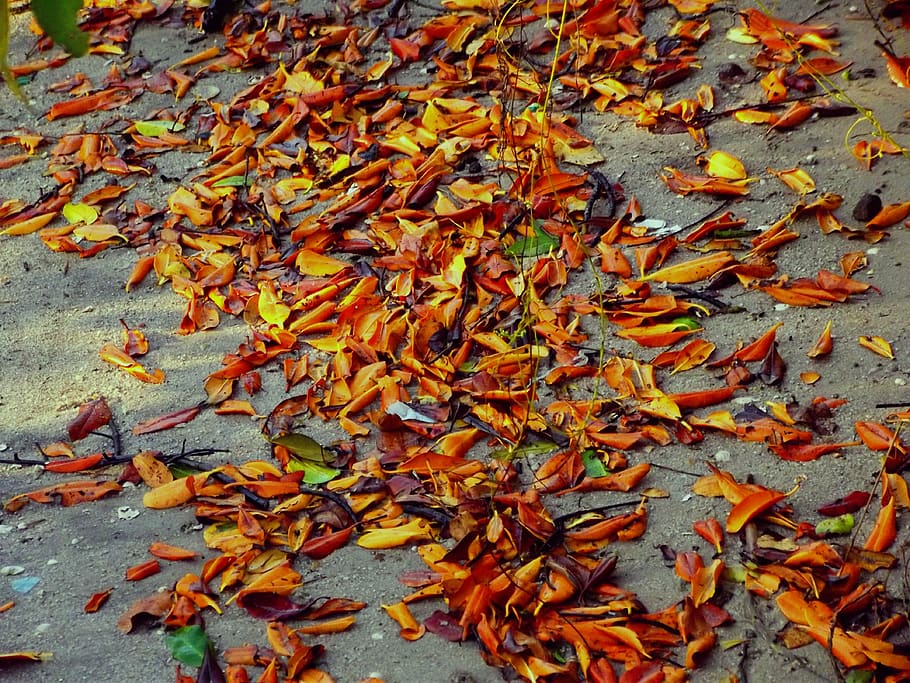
<point>407,252</point>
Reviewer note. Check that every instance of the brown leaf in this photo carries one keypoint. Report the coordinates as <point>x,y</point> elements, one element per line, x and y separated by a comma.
<point>149,609</point>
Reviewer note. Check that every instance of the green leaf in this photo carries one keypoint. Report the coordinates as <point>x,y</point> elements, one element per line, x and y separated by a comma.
<point>538,244</point>
<point>234,181</point>
<point>188,645</point>
<point>594,466</point>
<point>80,213</point>
<point>859,676</point>
<point>307,456</point>
<point>154,129</point>
<point>58,18</point>
<point>313,472</point>
<point>842,524</point>
<point>686,323</point>
<point>524,451</point>
<point>4,48</point>
<point>302,446</point>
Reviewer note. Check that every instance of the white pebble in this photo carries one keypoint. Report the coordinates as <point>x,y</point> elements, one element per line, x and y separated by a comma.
<point>900,381</point>
<point>722,456</point>
<point>11,570</point>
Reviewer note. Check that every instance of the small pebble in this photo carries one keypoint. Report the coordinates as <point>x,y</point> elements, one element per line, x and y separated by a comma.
<point>42,628</point>
<point>376,635</point>
<point>51,562</point>
<point>900,381</point>
<point>11,570</point>
<point>722,456</point>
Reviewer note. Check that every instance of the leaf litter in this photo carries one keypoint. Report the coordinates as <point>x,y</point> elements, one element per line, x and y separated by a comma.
<point>405,253</point>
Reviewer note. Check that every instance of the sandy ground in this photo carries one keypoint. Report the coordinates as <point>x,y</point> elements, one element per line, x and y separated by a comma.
<point>56,311</point>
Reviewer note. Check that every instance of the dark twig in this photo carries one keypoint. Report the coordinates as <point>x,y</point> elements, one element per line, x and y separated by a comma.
<point>722,306</point>
<point>335,498</point>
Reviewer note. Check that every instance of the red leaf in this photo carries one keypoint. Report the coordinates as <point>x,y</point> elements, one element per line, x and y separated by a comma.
<point>272,607</point>
<point>323,546</point>
<point>852,502</point>
<point>90,417</point>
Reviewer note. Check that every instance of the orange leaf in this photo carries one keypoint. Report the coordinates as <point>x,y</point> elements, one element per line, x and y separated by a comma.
<point>755,351</point>
<point>331,626</point>
<point>97,601</point>
<point>898,67</point>
<point>750,507</point>
<point>807,451</point>
<point>823,344</point>
<point>710,530</point>
<point>688,564</point>
<point>889,215</point>
<point>875,436</point>
<point>704,582</point>
<point>885,530</point>
<point>410,629</point>
<point>662,334</point>
<point>171,552</point>
<point>143,571</point>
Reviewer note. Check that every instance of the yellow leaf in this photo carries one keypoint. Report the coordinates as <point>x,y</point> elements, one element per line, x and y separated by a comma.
<point>692,355</point>
<point>271,309</point>
<point>314,264</point>
<point>723,165</point>
<point>692,271</point>
<point>796,179</point>
<point>98,232</point>
<point>877,345</point>
<point>29,225</point>
<point>378,539</point>
<point>80,213</point>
